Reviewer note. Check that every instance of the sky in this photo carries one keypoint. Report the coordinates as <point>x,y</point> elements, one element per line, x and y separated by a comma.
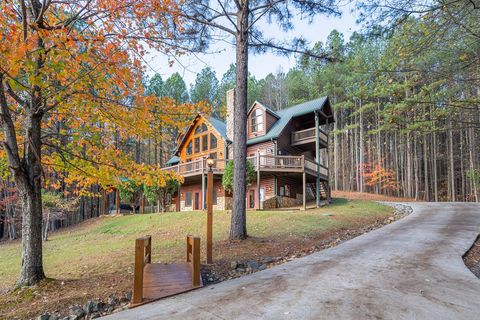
<point>223,54</point>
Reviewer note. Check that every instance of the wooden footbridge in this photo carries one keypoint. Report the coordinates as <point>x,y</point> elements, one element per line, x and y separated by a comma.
<point>154,281</point>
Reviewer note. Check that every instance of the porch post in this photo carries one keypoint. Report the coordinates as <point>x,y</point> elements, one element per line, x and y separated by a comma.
<point>209,215</point>
<point>304,184</point>
<point>203,185</point>
<point>258,180</point>
<point>317,156</point>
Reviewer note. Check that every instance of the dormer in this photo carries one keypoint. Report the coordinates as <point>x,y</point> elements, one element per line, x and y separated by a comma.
<point>260,119</point>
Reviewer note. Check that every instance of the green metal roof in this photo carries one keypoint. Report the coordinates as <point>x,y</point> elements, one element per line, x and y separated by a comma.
<point>173,160</point>
<point>286,115</point>
<point>220,126</point>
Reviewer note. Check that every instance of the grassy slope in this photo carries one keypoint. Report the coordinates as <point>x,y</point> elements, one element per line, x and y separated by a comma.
<point>106,244</point>
<point>95,259</point>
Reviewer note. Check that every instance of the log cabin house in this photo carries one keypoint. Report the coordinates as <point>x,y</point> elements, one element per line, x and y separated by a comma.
<point>288,148</point>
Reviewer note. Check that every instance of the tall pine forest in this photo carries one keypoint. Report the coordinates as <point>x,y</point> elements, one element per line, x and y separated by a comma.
<point>406,104</point>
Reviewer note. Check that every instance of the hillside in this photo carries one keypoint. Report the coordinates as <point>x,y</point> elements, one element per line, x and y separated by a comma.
<point>95,258</point>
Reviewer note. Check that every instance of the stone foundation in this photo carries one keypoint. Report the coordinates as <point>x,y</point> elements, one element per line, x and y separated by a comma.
<point>281,202</point>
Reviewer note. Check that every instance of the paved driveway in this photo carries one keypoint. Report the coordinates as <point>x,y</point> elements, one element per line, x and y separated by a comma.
<point>411,269</point>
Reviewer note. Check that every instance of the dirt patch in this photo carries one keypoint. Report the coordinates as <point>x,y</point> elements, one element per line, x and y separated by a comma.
<point>472,258</point>
<point>369,196</point>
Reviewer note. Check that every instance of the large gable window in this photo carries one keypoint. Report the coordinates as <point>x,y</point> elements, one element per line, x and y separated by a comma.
<point>213,141</point>
<point>201,128</point>
<point>205,142</point>
<point>201,142</point>
<point>197,145</point>
<point>257,120</point>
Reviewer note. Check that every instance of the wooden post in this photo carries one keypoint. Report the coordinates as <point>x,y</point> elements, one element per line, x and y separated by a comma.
<point>196,262</point>
<point>209,216</point>
<point>203,184</point>
<point>258,180</point>
<point>317,156</point>
<point>304,184</point>
<point>117,201</point>
<point>138,272</point>
<point>142,205</point>
<point>189,248</point>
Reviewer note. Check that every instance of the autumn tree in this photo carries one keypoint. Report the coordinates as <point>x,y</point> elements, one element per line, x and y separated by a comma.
<point>239,21</point>
<point>70,90</point>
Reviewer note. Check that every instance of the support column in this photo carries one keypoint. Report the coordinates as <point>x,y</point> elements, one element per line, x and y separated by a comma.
<point>203,186</point>
<point>209,216</point>
<point>258,180</point>
<point>317,156</point>
<point>304,184</point>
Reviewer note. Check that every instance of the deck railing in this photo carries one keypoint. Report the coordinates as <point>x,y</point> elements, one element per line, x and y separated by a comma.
<point>262,161</point>
<point>197,167</point>
<point>308,135</point>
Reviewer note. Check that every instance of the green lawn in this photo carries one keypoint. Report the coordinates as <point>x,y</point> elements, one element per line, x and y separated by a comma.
<point>106,244</point>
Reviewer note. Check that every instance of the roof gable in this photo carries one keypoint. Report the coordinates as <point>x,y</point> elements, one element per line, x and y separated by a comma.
<point>321,104</point>
<point>264,107</point>
<point>218,125</point>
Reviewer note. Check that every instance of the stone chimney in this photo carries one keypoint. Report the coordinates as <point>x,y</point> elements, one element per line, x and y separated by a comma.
<point>230,113</point>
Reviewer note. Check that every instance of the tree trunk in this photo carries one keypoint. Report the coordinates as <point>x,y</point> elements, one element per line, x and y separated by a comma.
<point>452,163</point>
<point>238,227</point>
<point>425,168</point>
<point>47,224</point>
<point>362,150</point>
<point>435,177</point>
<point>335,151</point>
<point>28,181</point>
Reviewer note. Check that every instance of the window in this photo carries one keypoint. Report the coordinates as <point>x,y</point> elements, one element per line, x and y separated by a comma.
<point>262,194</point>
<point>287,191</point>
<point>197,145</point>
<point>188,199</point>
<point>205,142</point>
<point>214,196</point>
<point>201,128</point>
<point>282,191</point>
<point>189,148</point>
<point>213,155</point>
<point>213,141</point>
<point>257,120</point>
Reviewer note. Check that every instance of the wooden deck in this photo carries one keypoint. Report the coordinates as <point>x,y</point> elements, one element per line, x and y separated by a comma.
<point>165,280</point>
<point>156,281</point>
<point>265,163</point>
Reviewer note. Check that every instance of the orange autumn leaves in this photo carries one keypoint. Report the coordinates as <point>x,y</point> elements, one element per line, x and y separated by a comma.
<point>375,174</point>
<point>82,60</point>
